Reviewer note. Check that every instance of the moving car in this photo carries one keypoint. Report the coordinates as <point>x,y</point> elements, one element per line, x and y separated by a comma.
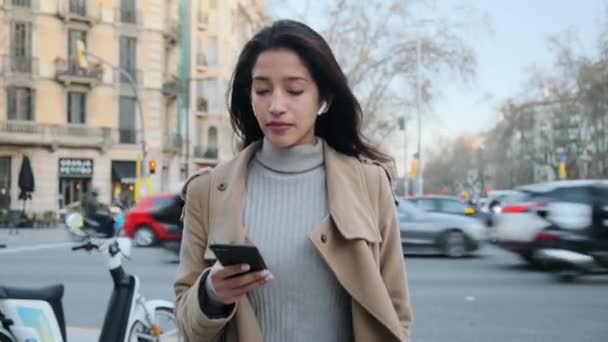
<point>520,226</point>
<point>155,219</point>
<point>449,205</point>
<point>452,235</point>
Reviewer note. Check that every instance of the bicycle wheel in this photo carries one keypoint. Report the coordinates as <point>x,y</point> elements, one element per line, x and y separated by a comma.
<point>164,318</point>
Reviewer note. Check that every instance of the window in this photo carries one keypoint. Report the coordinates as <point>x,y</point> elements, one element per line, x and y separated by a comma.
<point>200,55</point>
<point>78,7</point>
<point>77,104</point>
<point>22,3</point>
<point>452,207</point>
<point>5,182</point>
<point>21,46</point>
<point>207,90</point>
<point>212,48</point>
<point>20,103</point>
<point>212,143</point>
<point>126,120</point>
<point>128,57</point>
<point>127,11</point>
<point>426,204</point>
<point>73,37</point>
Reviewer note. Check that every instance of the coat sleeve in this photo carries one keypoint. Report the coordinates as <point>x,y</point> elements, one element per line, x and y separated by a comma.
<point>192,321</point>
<point>392,263</point>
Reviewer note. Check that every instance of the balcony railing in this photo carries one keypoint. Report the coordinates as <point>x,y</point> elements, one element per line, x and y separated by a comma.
<point>27,5</point>
<point>77,10</point>
<point>209,153</point>
<point>171,31</point>
<point>170,85</point>
<point>30,133</point>
<point>23,65</point>
<point>127,136</point>
<point>172,142</point>
<point>127,16</point>
<point>70,72</point>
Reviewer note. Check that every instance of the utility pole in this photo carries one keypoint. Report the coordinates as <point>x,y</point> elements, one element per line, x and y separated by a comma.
<point>183,110</point>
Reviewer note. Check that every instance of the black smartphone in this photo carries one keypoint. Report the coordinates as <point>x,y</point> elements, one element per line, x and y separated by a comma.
<point>235,254</point>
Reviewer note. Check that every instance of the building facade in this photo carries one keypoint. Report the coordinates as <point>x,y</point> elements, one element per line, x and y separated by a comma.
<point>219,29</point>
<point>80,126</point>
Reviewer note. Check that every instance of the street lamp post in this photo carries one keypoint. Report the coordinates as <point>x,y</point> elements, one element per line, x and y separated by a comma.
<point>82,54</point>
<point>419,178</point>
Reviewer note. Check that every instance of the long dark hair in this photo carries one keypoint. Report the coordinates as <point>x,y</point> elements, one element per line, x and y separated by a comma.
<point>340,126</point>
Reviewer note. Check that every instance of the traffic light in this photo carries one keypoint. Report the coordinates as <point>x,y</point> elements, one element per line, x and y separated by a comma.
<point>81,54</point>
<point>414,168</point>
<point>152,166</point>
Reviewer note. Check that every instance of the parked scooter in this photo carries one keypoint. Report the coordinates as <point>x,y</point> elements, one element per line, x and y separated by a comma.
<point>36,315</point>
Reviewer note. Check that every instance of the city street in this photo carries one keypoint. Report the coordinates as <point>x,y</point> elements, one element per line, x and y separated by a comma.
<point>492,297</point>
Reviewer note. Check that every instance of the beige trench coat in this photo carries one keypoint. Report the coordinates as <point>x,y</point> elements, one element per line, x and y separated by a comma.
<point>361,244</point>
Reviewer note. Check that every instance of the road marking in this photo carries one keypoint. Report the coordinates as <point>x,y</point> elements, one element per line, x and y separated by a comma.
<point>84,329</point>
<point>10,250</point>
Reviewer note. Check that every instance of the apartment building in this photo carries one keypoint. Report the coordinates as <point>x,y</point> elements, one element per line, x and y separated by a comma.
<point>81,127</point>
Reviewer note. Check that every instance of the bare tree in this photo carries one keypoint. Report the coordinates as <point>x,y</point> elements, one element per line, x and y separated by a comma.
<point>376,44</point>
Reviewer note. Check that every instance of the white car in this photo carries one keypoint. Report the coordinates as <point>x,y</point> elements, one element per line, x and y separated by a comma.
<point>520,222</point>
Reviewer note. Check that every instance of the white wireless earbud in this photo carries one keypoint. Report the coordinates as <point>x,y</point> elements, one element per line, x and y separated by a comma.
<point>323,108</point>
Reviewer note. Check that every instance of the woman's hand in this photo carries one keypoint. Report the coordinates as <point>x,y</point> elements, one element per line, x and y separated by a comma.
<point>232,282</point>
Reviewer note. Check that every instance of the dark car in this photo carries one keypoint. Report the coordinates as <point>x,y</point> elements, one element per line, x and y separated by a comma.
<point>525,226</point>
<point>155,219</point>
<point>449,205</point>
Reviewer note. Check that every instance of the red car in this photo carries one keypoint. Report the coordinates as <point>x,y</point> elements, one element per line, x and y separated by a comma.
<point>155,219</point>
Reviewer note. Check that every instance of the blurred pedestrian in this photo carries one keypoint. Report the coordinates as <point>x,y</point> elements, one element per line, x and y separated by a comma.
<point>314,197</point>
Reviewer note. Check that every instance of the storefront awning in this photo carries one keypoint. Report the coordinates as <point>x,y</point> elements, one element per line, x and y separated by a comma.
<point>123,172</point>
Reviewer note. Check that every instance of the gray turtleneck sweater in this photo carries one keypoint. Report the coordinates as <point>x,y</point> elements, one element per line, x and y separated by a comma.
<point>286,200</point>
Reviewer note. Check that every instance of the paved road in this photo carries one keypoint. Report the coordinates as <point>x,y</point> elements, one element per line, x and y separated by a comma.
<point>492,297</point>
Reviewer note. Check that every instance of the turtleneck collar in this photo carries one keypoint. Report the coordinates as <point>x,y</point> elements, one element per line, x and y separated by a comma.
<point>296,159</point>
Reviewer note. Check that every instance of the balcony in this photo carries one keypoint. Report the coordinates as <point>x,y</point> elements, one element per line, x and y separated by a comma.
<point>69,72</point>
<point>19,66</point>
<point>170,86</point>
<point>21,6</point>
<point>207,155</point>
<point>31,133</point>
<point>77,11</point>
<point>127,17</point>
<point>171,31</point>
<point>172,143</point>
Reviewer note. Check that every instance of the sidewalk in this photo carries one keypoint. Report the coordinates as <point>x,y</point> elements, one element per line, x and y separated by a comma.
<point>33,236</point>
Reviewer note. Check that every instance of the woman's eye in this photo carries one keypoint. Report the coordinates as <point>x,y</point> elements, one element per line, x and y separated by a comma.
<point>262,92</point>
<point>295,93</point>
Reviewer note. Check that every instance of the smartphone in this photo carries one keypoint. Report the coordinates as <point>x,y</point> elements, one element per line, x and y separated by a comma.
<point>235,254</point>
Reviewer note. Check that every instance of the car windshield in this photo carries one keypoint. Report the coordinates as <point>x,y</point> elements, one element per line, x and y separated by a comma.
<point>407,210</point>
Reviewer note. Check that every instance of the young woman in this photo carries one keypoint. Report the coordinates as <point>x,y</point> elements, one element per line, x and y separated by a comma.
<point>310,194</point>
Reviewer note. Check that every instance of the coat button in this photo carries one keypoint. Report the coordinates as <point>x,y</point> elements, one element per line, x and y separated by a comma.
<point>323,238</point>
<point>222,186</point>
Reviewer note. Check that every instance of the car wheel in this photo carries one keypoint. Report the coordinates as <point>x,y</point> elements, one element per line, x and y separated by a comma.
<point>454,244</point>
<point>144,236</point>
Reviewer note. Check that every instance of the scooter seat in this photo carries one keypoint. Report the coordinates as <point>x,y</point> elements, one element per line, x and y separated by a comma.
<point>48,294</point>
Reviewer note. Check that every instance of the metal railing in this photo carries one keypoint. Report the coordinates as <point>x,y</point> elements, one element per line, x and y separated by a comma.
<point>21,4</point>
<point>71,68</point>
<point>127,136</point>
<point>19,65</point>
<point>35,133</point>
<point>170,85</point>
<point>127,16</point>
<point>205,153</point>
<point>172,142</point>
